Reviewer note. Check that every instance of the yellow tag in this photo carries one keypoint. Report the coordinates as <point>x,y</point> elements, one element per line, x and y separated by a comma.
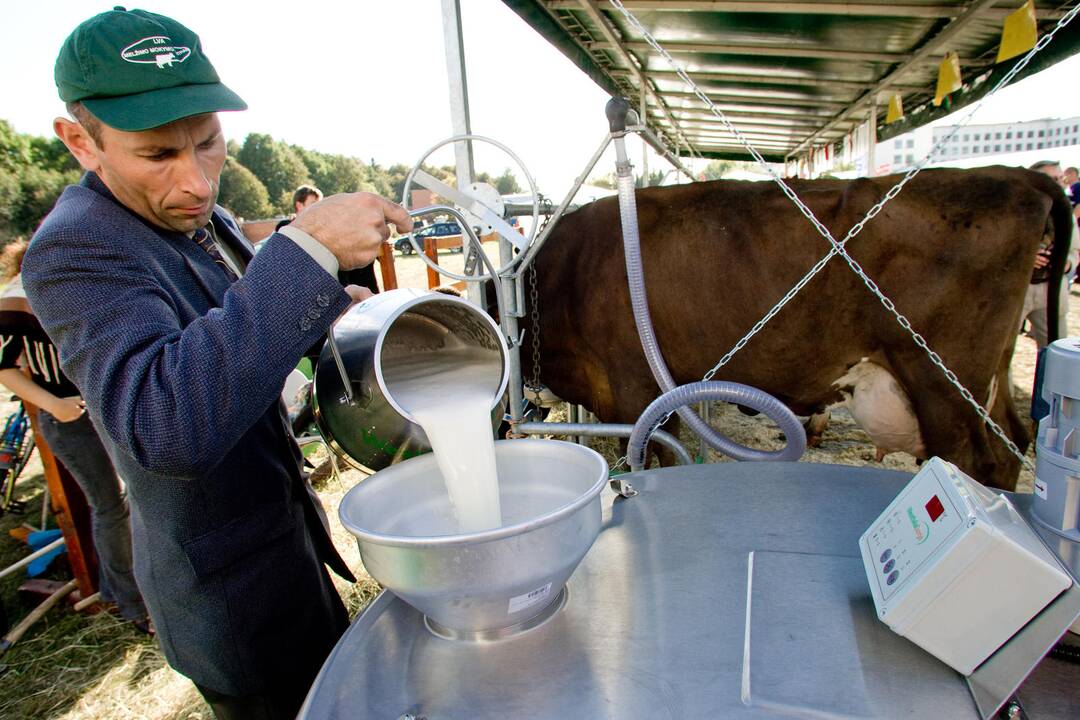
<point>896,109</point>
<point>948,79</point>
<point>1020,32</point>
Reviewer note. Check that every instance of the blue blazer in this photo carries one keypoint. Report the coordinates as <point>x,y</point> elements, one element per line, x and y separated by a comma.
<point>183,372</point>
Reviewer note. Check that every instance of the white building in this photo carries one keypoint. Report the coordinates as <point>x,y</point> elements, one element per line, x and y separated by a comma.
<point>978,140</point>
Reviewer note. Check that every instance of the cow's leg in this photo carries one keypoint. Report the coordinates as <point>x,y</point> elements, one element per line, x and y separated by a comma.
<point>815,426</point>
<point>951,428</point>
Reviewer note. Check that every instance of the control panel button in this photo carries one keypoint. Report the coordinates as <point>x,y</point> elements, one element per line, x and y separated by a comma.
<point>886,555</point>
<point>888,567</point>
<point>892,577</point>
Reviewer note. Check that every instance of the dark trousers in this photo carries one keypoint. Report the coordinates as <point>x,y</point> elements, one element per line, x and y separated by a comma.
<point>282,704</point>
<point>78,446</point>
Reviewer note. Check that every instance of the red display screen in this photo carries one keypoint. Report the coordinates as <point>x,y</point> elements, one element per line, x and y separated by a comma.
<point>934,508</point>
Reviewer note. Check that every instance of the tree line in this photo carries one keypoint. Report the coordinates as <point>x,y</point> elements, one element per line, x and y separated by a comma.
<point>258,179</point>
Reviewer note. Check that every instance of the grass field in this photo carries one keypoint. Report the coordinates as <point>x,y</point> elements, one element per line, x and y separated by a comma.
<point>77,667</point>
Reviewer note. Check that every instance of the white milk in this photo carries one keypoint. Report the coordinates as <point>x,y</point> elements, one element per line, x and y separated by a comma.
<point>449,393</point>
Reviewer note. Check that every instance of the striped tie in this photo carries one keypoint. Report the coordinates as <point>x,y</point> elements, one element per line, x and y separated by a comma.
<point>205,240</point>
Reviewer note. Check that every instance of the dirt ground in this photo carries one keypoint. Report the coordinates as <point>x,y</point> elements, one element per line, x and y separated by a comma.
<point>844,443</point>
<point>76,667</point>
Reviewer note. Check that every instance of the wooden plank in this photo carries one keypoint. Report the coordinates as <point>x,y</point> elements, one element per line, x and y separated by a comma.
<point>432,251</point>
<point>71,510</point>
<point>386,266</point>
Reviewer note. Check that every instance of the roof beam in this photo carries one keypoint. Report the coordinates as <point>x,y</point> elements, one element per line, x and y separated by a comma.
<point>738,116</point>
<point>974,11</point>
<point>615,43</point>
<point>807,8</point>
<point>757,50</point>
<point>763,97</point>
<point>766,78</point>
<point>745,128</point>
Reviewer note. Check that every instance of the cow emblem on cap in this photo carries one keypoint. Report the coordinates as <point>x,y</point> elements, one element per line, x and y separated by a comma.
<point>155,50</point>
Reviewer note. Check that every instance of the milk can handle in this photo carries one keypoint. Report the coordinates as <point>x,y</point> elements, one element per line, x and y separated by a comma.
<point>346,383</point>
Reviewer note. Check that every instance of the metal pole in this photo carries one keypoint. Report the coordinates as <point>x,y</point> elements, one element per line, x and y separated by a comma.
<point>871,145</point>
<point>511,284</point>
<point>644,145</point>
<point>459,111</point>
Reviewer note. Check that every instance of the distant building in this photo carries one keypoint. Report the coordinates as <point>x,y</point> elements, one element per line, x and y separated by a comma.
<point>979,140</point>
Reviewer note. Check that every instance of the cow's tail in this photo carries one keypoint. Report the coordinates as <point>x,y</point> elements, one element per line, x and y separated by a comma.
<point>1064,223</point>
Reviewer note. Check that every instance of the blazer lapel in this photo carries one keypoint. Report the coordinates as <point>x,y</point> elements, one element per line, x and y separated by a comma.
<point>231,235</point>
<point>202,267</point>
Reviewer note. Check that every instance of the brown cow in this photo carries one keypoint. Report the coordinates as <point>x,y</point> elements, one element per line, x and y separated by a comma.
<point>954,250</point>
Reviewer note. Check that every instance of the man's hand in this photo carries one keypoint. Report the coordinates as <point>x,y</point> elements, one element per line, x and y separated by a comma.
<point>353,226</point>
<point>67,409</point>
<point>1042,258</point>
<point>358,293</point>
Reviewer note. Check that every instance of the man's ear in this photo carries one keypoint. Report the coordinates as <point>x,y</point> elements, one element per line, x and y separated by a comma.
<point>78,142</point>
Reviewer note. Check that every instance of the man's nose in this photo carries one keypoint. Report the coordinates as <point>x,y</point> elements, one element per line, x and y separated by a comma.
<point>191,178</point>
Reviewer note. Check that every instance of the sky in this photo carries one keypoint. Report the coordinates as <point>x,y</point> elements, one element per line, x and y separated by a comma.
<point>369,79</point>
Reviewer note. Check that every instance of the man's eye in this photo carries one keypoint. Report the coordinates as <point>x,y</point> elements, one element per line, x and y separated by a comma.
<point>164,155</point>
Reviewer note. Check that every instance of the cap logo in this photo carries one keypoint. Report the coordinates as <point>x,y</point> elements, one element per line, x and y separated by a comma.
<point>155,50</point>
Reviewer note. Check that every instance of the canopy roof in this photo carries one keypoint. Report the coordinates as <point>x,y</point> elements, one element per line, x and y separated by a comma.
<point>792,76</point>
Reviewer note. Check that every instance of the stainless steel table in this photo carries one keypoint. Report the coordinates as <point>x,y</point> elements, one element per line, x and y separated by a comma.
<point>720,590</point>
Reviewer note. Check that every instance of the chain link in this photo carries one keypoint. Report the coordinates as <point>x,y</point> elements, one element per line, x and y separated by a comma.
<point>839,247</point>
<point>534,312</point>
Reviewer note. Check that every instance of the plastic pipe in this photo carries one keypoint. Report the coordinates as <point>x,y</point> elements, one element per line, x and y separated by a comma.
<point>731,392</point>
<point>617,110</point>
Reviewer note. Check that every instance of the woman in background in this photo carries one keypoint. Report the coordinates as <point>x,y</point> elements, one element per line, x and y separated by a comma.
<point>70,435</point>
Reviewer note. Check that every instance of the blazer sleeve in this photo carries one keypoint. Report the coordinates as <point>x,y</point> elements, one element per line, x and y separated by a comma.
<point>176,397</point>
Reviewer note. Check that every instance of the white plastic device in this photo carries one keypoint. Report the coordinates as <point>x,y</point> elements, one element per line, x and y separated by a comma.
<point>954,568</point>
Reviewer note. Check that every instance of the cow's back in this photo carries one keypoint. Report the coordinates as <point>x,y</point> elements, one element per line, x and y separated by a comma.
<point>954,251</point>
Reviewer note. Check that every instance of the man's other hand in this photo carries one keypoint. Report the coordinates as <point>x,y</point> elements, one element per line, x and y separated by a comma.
<point>353,226</point>
<point>358,293</point>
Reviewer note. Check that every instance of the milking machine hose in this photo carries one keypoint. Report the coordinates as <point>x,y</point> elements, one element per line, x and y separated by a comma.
<point>617,110</point>
<point>730,392</point>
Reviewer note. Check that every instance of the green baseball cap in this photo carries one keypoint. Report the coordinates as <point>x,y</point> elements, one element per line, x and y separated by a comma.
<point>135,70</point>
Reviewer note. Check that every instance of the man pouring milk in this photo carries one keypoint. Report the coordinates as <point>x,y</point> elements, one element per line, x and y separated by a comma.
<point>180,341</point>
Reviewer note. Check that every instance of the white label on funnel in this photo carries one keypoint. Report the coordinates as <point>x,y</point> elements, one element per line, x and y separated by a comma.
<point>519,603</point>
<point>1040,488</point>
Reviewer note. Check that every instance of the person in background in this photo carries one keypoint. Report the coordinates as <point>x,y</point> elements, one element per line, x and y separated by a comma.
<point>1071,180</point>
<point>1035,304</point>
<point>70,435</point>
<point>1035,301</point>
<point>306,196</point>
<point>181,341</point>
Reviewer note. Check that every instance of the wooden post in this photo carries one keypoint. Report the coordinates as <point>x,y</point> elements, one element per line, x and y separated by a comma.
<point>71,510</point>
<point>386,267</point>
<point>431,249</point>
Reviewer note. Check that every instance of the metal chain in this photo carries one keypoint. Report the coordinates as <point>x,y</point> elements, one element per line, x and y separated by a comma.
<point>838,248</point>
<point>534,314</point>
<point>534,309</point>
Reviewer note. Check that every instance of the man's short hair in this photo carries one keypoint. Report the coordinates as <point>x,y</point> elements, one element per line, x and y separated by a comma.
<point>1072,170</point>
<point>304,192</point>
<point>84,117</point>
<point>1044,164</point>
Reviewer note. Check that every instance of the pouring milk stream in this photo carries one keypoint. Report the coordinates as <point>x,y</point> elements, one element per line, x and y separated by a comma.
<point>448,393</point>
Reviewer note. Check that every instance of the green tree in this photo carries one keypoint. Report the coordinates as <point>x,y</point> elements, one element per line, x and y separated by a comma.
<point>232,148</point>
<point>655,178</point>
<point>38,190</point>
<point>716,169</point>
<point>51,154</point>
<point>605,181</point>
<point>14,148</point>
<point>275,164</point>
<point>242,193</point>
<point>507,183</point>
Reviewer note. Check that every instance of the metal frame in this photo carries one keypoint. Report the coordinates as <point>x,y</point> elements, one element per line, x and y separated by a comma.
<point>820,65</point>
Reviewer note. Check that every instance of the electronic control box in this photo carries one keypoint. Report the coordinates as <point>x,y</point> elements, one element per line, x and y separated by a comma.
<point>954,568</point>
